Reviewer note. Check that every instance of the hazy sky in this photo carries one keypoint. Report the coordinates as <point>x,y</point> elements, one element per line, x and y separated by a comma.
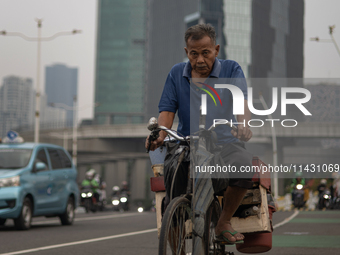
<point>19,57</point>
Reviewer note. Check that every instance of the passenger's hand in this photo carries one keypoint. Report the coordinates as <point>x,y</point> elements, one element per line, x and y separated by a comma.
<point>243,133</point>
<point>154,144</point>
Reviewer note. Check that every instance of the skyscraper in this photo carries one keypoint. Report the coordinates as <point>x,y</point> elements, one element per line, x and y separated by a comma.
<point>61,86</point>
<point>168,21</point>
<point>52,117</point>
<point>120,63</point>
<point>277,36</point>
<point>16,103</point>
<point>264,36</point>
<point>17,107</point>
<point>139,41</point>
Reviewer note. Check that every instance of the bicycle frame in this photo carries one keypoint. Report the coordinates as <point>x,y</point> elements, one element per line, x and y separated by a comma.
<point>198,224</point>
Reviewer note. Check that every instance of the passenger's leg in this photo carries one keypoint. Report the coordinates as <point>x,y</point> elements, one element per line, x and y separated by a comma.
<point>234,155</point>
<point>232,199</point>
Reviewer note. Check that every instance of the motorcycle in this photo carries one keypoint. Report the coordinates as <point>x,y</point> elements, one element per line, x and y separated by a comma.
<point>299,194</point>
<point>336,203</point>
<point>325,200</point>
<point>88,201</point>
<point>124,201</point>
<point>115,203</point>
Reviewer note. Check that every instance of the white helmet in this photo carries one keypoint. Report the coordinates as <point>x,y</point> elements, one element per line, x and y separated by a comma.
<point>115,188</point>
<point>323,181</point>
<point>90,174</point>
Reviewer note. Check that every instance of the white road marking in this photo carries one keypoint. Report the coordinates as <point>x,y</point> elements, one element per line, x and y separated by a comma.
<point>88,218</point>
<point>80,242</point>
<point>114,236</point>
<point>285,221</point>
<point>296,233</point>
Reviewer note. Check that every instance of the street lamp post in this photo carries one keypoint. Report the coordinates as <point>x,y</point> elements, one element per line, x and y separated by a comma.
<point>274,144</point>
<point>38,39</point>
<point>65,140</point>
<point>332,40</point>
<point>74,133</point>
<point>74,140</point>
<point>37,95</point>
<point>75,110</point>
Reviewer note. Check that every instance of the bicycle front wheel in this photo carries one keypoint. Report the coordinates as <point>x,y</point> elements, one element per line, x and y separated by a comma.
<point>176,232</point>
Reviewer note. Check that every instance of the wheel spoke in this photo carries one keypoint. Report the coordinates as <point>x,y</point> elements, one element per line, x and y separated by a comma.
<point>182,234</point>
<point>211,220</point>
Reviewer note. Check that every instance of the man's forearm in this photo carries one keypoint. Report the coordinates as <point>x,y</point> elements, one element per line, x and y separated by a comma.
<point>166,119</point>
<point>243,119</point>
<point>246,116</point>
<point>243,132</point>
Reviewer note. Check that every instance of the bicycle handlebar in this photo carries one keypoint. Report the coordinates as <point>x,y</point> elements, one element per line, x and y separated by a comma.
<point>155,128</point>
<point>173,134</point>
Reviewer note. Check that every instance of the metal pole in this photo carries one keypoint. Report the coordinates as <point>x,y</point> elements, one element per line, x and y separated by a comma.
<point>37,94</point>
<point>39,39</point>
<point>74,145</point>
<point>331,28</point>
<point>65,140</point>
<point>274,143</point>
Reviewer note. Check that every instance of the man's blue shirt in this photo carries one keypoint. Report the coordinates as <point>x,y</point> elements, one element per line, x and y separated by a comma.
<point>182,96</point>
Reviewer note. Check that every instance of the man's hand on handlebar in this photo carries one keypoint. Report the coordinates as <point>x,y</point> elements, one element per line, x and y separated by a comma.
<point>156,143</point>
<point>165,119</point>
<point>242,133</point>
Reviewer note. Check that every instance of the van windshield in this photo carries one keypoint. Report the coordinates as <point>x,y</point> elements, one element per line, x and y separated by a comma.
<point>14,158</point>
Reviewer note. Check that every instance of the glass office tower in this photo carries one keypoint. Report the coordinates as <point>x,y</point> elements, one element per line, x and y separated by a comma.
<point>168,21</point>
<point>238,30</point>
<point>138,42</point>
<point>265,37</point>
<point>16,103</point>
<point>61,86</point>
<point>120,61</point>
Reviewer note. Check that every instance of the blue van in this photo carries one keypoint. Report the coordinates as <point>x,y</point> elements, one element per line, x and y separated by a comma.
<point>36,179</point>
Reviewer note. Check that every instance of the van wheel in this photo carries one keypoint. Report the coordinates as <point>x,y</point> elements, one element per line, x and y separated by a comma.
<point>2,222</point>
<point>68,216</point>
<point>23,222</point>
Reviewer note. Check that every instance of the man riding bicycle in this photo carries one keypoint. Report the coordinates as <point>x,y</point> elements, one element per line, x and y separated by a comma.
<point>180,86</point>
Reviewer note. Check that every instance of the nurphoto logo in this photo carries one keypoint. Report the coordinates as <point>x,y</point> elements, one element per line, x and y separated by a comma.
<point>238,104</point>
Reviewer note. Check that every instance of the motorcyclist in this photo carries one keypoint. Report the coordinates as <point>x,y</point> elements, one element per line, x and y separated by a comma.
<point>90,181</point>
<point>115,191</point>
<point>125,188</point>
<point>115,197</point>
<point>125,191</point>
<point>322,186</point>
<point>102,197</point>
<point>336,184</point>
<point>103,189</point>
<point>98,178</point>
<point>298,180</point>
<point>102,186</point>
<point>325,195</point>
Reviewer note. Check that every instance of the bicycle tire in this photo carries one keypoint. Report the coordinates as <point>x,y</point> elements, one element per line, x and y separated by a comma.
<point>176,220</point>
<point>211,219</point>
